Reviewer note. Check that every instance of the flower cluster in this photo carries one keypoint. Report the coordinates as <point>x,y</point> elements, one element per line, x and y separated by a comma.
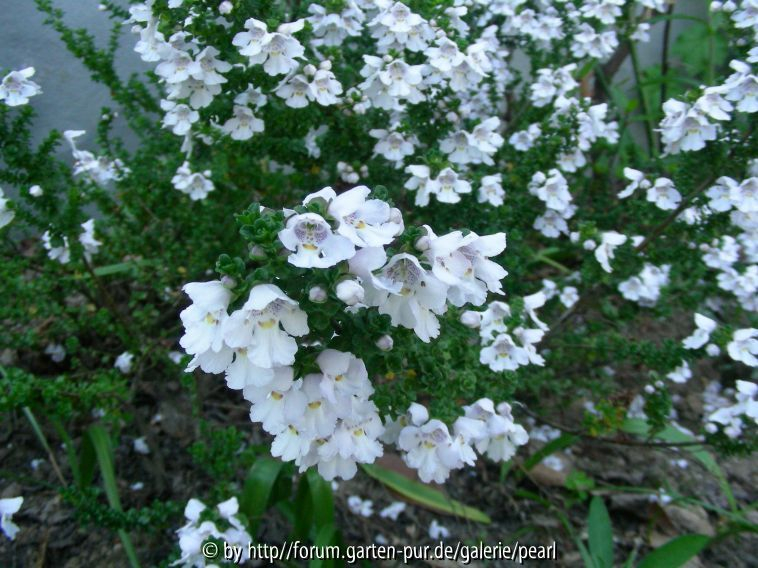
<point>429,447</point>
<point>200,528</point>
<point>505,347</point>
<point>326,418</point>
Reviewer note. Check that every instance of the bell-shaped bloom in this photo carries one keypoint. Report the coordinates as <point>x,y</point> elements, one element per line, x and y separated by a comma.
<point>8,508</point>
<point>344,376</point>
<point>17,87</point>
<point>312,242</point>
<point>412,296</point>
<point>204,318</point>
<point>461,262</point>
<point>744,346</point>
<point>365,222</point>
<point>427,449</point>
<point>265,325</point>
<point>604,251</point>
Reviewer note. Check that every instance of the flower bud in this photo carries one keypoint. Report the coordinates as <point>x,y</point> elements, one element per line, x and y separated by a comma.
<point>711,428</point>
<point>589,244</point>
<point>713,350</point>
<point>228,282</point>
<point>35,191</point>
<point>309,70</point>
<point>385,343</point>
<point>326,65</point>
<point>649,389</point>
<point>317,295</point>
<point>471,319</point>
<point>423,243</point>
<point>350,292</point>
<point>225,7</point>
<point>387,58</point>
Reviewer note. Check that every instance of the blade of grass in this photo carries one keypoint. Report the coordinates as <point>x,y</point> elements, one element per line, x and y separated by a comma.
<point>101,443</point>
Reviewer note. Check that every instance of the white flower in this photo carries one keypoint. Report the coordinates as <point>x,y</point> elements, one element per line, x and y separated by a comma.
<point>196,185</point>
<point>645,289</point>
<point>449,186</point>
<point>588,42</point>
<point>445,56</point>
<point>325,88</point>
<point>552,189</point>
<point>256,327</point>
<point>203,325</point>
<point>685,128</point>
<point>365,222</point>
<point>16,87</point>
<point>392,145</point>
<point>523,140</point>
<point>402,289</point>
<point>397,27</point>
<point>175,65</point>
<point>393,510</point>
<point>312,242</point>
<point>6,213</point>
<point>437,531</point>
<point>744,346</point>
<point>332,29</point>
<point>638,181</point>
<point>462,263</point>
<point>141,447</point>
<point>124,362</point>
<point>34,191</point>
<point>604,253</point>
<point>243,124</point>
<point>664,194</point>
<point>179,117</point>
<point>551,224</point>
<point>250,42</point>
<point>681,374</point>
<point>642,33</point>
<point>427,450</point>
<point>194,533</point>
<point>62,253</point>
<point>358,506</point>
<point>295,90</point>
<point>745,195</point>
<point>569,296</point>
<point>87,239</point>
<point>207,68</point>
<point>701,335</point>
<point>422,183</point>
<point>56,352</point>
<point>277,51</point>
<point>388,82</point>
<point>8,508</point>
<point>491,190</point>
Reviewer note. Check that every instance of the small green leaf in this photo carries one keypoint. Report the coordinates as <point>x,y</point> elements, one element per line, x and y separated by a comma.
<point>114,268</point>
<point>322,498</point>
<point>600,533</point>
<point>424,494</point>
<point>675,552</point>
<point>259,485</point>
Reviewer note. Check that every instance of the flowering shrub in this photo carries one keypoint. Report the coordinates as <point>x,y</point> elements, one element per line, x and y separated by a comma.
<point>353,170</point>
